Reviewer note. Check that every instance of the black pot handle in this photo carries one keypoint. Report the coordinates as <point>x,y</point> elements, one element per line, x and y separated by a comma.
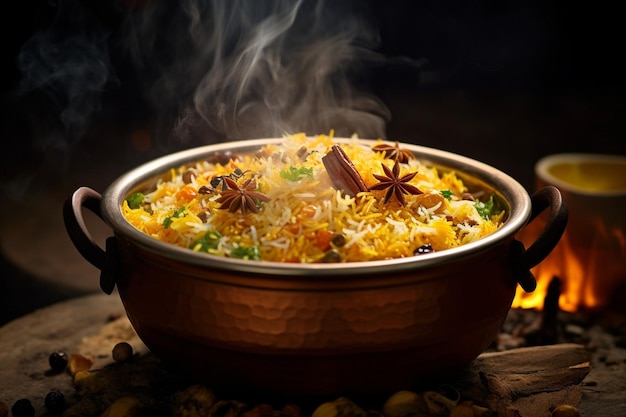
<point>524,259</point>
<point>76,228</point>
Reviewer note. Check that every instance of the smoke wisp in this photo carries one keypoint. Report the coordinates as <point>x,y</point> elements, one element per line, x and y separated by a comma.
<point>64,68</point>
<point>205,71</point>
<point>247,69</point>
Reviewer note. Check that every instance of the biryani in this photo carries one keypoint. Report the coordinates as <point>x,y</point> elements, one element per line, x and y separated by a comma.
<point>312,199</point>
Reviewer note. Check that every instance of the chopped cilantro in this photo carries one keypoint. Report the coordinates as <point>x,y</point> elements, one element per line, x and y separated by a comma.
<point>486,209</point>
<point>446,194</point>
<point>246,252</point>
<point>207,242</point>
<point>134,200</point>
<point>294,174</point>
<point>168,220</point>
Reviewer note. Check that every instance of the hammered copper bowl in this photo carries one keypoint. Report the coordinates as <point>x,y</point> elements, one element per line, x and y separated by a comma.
<point>316,329</point>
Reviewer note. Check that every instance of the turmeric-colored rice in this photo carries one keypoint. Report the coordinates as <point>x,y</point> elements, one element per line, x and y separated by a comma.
<point>306,219</point>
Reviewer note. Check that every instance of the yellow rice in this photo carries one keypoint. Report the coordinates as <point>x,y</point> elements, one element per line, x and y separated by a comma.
<point>296,223</point>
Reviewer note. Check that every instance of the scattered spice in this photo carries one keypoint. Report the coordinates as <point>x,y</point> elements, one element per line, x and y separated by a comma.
<point>342,172</point>
<point>122,352</point>
<point>395,184</point>
<point>302,152</point>
<point>55,401</point>
<point>222,158</point>
<point>394,152</point>
<point>189,175</point>
<point>58,361</point>
<point>23,408</point>
<point>242,198</point>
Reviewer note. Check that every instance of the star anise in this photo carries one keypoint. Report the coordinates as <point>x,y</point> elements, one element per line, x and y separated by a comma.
<point>394,184</point>
<point>242,198</point>
<point>394,152</point>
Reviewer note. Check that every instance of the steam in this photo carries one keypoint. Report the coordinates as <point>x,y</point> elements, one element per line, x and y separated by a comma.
<point>248,69</point>
<point>64,69</point>
<point>69,62</point>
<point>207,71</point>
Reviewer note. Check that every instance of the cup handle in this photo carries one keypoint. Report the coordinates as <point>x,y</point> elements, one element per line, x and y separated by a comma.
<point>82,240</point>
<point>525,259</point>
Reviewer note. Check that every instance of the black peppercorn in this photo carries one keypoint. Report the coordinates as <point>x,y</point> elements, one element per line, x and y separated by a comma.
<point>58,360</point>
<point>55,401</point>
<point>23,408</point>
<point>423,249</point>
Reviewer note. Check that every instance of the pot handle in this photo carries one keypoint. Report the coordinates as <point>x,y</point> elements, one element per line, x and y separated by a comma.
<point>82,240</point>
<point>525,259</point>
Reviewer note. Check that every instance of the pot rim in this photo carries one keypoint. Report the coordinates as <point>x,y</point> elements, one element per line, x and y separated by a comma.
<point>515,195</point>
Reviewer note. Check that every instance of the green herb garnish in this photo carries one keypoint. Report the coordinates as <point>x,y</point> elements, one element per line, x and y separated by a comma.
<point>134,200</point>
<point>207,242</point>
<point>168,220</point>
<point>246,252</point>
<point>446,194</point>
<point>294,174</point>
<point>486,209</point>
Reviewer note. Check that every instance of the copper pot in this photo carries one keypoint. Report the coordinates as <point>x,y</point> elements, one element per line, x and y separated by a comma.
<point>316,329</point>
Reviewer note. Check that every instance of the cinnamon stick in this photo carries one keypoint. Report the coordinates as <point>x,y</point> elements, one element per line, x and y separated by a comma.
<point>342,172</point>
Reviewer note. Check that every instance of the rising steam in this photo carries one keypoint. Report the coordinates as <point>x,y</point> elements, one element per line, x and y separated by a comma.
<point>249,69</point>
<point>64,69</point>
<point>206,71</point>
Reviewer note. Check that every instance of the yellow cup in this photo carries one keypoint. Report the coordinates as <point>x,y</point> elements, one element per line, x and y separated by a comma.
<point>590,259</point>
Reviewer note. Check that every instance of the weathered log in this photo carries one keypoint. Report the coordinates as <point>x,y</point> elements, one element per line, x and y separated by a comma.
<point>527,382</point>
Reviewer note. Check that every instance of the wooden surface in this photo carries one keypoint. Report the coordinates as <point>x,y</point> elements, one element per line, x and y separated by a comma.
<point>519,382</point>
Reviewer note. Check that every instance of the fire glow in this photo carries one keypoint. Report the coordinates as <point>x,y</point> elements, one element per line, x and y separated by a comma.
<point>577,291</point>
<point>589,259</point>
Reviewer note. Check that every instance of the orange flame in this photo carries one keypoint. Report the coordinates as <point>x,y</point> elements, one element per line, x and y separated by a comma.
<point>589,275</point>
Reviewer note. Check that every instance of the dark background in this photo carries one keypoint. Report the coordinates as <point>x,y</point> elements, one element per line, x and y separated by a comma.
<point>504,82</point>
